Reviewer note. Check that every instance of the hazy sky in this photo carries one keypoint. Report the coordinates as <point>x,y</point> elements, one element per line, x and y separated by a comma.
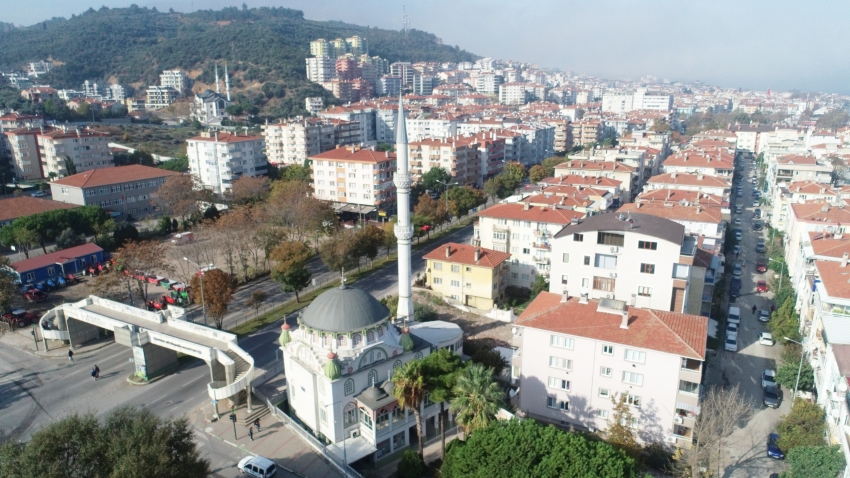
<point>756,44</point>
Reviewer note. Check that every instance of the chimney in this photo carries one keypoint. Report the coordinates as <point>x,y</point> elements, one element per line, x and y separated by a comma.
<point>673,175</point>
<point>699,209</point>
<point>527,206</point>
<point>448,251</point>
<point>669,193</point>
<point>583,298</point>
<point>638,204</point>
<point>824,208</point>
<point>625,323</point>
<point>844,258</point>
<point>477,254</point>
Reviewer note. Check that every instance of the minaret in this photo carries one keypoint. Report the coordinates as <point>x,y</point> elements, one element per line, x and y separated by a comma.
<point>403,228</point>
<point>226,81</point>
<point>217,87</point>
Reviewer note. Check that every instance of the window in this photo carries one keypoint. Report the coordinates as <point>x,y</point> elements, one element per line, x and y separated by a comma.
<point>647,268</point>
<point>578,237</point>
<point>688,387</point>
<point>587,260</point>
<point>564,280</point>
<point>438,280</point>
<point>365,418</point>
<point>644,291</point>
<point>651,246</point>
<point>565,258</point>
<point>554,403</point>
<point>633,378</point>
<point>603,414</point>
<point>31,276</point>
<point>604,261</point>
<point>562,342</point>
<point>398,414</point>
<point>340,341</point>
<point>398,440</point>
<point>514,275</point>
<point>500,236</point>
<point>355,341</point>
<point>349,415</point>
<point>604,392</point>
<point>455,268</point>
<point>604,284</point>
<point>635,356</point>
<point>515,236</point>
<point>585,282</point>
<point>438,266</point>
<point>610,239</point>
<point>525,277</point>
<point>633,400</point>
<point>559,383</point>
<point>468,269</point>
<point>372,378</point>
<point>562,363</point>
<point>455,283</point>
<point>50,270</point>
<point>349,387</point>
<point>690,364</point>
<point>383,420</point>
<point>606,371</point>
<point>323,415</point>
<point>526,250</point>
<point>608,349</point>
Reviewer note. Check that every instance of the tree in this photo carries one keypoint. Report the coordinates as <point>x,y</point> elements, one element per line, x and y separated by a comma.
<point>441,369</point>
<point>786,374</point>
<point>515,172</point>
<point>124,232</point>
<point>477,398</point>
<point>784,322</point>
<point>117,287</point>
<point>249,190</point>
<point>550,163</point>
<point>218,292</point>
<point>256,300</point>
<point>815,462</point>
<point>290,270</point>
<point>128,442</point>
<point>297,173</point>
<point>482,352</point>
<point>339,252</point>
<point>179,164</point>
<point>431,211</point>
<point>464,198</point>
<point>177,196</point>
<point>292,207</point>
<point>516,448</point>
<point>537,173</point>
<point>435,179</point>
<point>539,285</point>
<point>619,431</point>
<point>802,426</point>
<point>147,257</point>
<point>411,465</point>
<point>8,288</point>
<point>409,390</point>
<point>389,236</point>
<point>369,241</point>
<point>69,239</point>
<point>836,118</point>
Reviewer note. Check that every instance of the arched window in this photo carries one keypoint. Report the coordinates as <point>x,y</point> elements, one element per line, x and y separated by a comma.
<point>326,339</point>
<point>373,377</point>
<point>381,331</point>
<point>356,340</point>
<point>349,415</point>
<point>396,365</point>
<point>418,356</point>
<point>370,336</point>
<point>349,387</point>
<point>340,341</point>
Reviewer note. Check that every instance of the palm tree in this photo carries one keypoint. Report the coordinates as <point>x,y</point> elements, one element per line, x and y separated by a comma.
<point>441,369</point>
<point>477,398</point>
<point>409,390</point>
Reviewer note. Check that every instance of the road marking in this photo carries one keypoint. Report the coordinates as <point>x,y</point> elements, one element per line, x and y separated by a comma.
<point>192,381</point>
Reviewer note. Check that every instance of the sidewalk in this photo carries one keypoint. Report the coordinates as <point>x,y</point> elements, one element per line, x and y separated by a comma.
<point>22,340</point>
<point>274,441</point>
<point>431,452</point>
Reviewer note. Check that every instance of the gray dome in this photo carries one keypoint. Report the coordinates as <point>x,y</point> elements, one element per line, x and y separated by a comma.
<point>344,309</point>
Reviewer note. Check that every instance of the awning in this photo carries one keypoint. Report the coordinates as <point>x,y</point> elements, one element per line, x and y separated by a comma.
<point>685,406</point>
<point>355,208</point>
<point>353,450</point>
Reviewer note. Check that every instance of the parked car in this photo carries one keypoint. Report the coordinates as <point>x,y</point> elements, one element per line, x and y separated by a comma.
<point>737,270</point>
<point>765,338</point>
<point>756,203</point>
<point>734,315</point>
<point>764,316</point>
<point>257,466</point>
<point>738,221</point>
<point>740,193</point>
<point>761,267</point>
<point>35,295</point>
<point>760,247</point>
<point>731,330</point>
<point>38,194</point>
<point>773,450</point>
<point>757,214</point>
<point>738,234</point>
<point>731,345</point>
<point>772,396</point>
<point>757,226</point>
<point>768,378</point>
<point>761,286</point>
<point>736,250</point>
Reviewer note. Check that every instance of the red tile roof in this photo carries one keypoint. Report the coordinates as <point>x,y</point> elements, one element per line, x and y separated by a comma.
<point>537,213</point>
<point>596,166</point>
<point>690,180</point>
<point>829,245</point>
<point>711,214</point>
<point>465,254</point>
<point>676,195</point>
<point>575,179</point>
<point>59,257</point>
<point>820,212</point>
<point>356,154</point>
<point>796,159</point>
<point>694,159</point>
<point>670,332</point>
<point>15,207</point>
<point>116,175</point>
<point>835,278</point>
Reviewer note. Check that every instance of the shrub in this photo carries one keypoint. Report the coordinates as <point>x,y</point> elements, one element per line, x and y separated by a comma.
<point>411,465</point>
<point>423,313</point>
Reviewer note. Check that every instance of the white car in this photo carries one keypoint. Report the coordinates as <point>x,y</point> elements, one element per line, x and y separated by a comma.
<point>766,339</point>
<point>738,221</point>
<point>731,330</point>
<point>734,316</point>
<point>756,203</point>
<point>257,466</point>
<point>731,345</point>
<point>768,378</point>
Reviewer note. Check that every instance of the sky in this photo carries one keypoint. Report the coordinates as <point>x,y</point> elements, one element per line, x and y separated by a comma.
<point>752,44</point>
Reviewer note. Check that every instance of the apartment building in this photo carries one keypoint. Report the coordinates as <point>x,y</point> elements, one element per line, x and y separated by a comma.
<point>403,70</point>
<point>321,69</point>
<point>314,104</point>
<point>699,218</point>
<point>587,131</point>
<point>563,140</point>
<point>174,79</point>
<point>805,218</point>
<point>354,176</point>
<point>513,94</point>
<point>37,152</point>
<point>717,164</point>
<point>681,196</point>
<point>219,158</point>
<point>389,85</point>
<point>796,167</point>
<point>487,83</point>
<point>160,97</point>
<point>491,155</point>
<point>458,155</point>
<point>424,126</point>
<point>715,185</point>
<point>798,192</point>
<point>526,232</point>
<point>638,258</point>
<point>620,102</point>
<point>363,114</point>
<point>630,177</point>
<point>573,355</point>
<point>619,192</point>
<point>125,190</point>
<point>292,142</point>
<point>603,199</point>
<point>470,275</point>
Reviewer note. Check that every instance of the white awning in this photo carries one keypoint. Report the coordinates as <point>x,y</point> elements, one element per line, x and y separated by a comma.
<point>352,450</point>
<point>688,407</point>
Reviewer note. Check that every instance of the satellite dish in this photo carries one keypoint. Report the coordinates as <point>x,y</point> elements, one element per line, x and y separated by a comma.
<point>842,386</point>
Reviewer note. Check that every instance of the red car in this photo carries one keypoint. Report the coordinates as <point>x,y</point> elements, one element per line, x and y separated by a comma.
<point>761,286</point>
<point>761,267</point>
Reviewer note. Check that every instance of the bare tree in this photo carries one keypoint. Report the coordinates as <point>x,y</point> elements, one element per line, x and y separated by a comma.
<point>203,249</point>
<point>146,257</point>
<point>177,196</point>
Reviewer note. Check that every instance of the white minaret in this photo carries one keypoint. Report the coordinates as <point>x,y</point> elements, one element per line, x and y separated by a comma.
<point>403,228</point>
<point>217,87</point>
<point>226,81</point>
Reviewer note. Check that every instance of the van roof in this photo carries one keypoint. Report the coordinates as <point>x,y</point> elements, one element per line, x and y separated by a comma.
<point>734,310</point>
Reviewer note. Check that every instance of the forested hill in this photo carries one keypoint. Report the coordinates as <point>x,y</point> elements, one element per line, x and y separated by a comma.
<point>133,45</point>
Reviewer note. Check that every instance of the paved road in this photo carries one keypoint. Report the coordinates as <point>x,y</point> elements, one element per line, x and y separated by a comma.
<point>747,454</point>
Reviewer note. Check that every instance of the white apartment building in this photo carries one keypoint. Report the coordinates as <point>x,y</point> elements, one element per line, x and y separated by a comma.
<point>160,97</point>
<point>574,355</point>
<point>691,182</point>
<point>292,142</point>
<point>321,69</point>
<point>708,220</point>
<point>795,167</point>
<point>798,192</point>
<point>513,94</point>
<point>363,114</point>
<point>696,162</point>
<point>457,155</point>
<point>424,126</point>
<point>388,85</point>
<point>630,177</point>
<point>37,152</point>
<point>386,119</point>
<point>526,232</point>
<point>314,104</point>
<point>356,179</point>
<point>641,259</point>
<point>620,102</point>
<point>403,70</point>
<point>174,79</point>
<point>219,158</point>
<point>487,83</point>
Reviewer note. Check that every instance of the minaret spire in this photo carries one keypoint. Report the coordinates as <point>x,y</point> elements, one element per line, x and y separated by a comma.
<point>403,228</point>
<point>217,82</point>
<point>226,81</point>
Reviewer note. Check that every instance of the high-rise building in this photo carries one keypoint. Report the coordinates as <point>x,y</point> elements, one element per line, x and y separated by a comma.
<point>321,69</point>
<point>175,79</point>
<point>218,158</point>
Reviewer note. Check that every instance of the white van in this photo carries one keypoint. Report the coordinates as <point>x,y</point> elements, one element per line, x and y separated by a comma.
<point>734,316</point>
<point>257,466</point>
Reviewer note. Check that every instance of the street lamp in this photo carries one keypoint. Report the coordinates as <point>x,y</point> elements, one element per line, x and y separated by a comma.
<point>781,271</point>
<point>446,184</point>
<point>800,368</point>
<point>201,277</point>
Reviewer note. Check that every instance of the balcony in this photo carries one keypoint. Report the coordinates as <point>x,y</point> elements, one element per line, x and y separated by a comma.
<point>542,245</point>
<point>501,227</point>
<point>542,260</point>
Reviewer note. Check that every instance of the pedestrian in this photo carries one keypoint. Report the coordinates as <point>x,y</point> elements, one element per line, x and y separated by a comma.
<point>257,424</point>
<point>251,433</point>
<point>70,355</point>
<point>95,372</point>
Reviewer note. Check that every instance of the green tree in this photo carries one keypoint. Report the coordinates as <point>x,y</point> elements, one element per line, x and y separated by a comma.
<point>515,172</point>
<point>409,389</point>
<point>786,374</point>
<point>550,163</point>
<point>619,431</point>
<point>784,322</point>
<point>836,118</point>
<point>436,179</point>
<point>537,173</point>
<point>68,238</point>
<point>539,285</point>
<point>477,398</point>
<point>128,442</point>
<point>515,449</point>
<point>411,465</point>
<point>340,252</point>
<point>815,462</point>
<point>389,236</point>
<point>8,287</point>
<point>290,269</point>
<point>179,164</point>
<point>482,352</point>
<point>441,369</point>
<point>802,426</point>
<point>368,241</point>
<point>464,198</point>
<point>297,173</point>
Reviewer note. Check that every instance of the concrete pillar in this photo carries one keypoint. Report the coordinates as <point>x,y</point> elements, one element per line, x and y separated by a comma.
<point>216,371</point>
<point>61,323</point>
<point>80,332</point>
<point>152,360</point>
<point>248,393</point>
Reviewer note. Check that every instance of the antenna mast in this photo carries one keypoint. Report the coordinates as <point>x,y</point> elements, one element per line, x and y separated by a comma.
<point>405,22</point>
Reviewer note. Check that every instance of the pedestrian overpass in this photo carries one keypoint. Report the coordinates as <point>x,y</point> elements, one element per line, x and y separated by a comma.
<point>156,337</point>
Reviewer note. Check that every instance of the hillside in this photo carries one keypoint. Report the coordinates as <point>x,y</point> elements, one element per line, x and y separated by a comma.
<point>133,45</point>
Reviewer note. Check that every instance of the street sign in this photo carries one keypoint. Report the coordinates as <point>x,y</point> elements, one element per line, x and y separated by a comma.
<point>382,213</point>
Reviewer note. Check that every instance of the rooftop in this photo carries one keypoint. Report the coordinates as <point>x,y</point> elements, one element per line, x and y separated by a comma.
<point>677,211</point>
<point>518,211</point>
<point>465,254</point>
<point>352,153</point>
<point>637,223</point>
<point>15,207</point>
<point>116,175</point>
<point>835,277</point>
<point>58,257</point>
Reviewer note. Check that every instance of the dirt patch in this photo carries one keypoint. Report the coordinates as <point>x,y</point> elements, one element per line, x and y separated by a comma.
<point>476,327</point>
